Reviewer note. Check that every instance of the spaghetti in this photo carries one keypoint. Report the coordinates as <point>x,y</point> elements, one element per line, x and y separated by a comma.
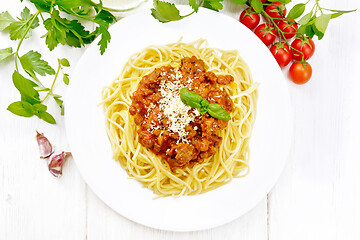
<point>231,157</point>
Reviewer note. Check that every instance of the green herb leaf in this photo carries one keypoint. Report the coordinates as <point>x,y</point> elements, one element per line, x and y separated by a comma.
<point>190,98</point>
<point>306,18</point>
<point>64,62</point>
<point>322,22</point>
<point>5,53</point>
<point>19,109</point>
<point>26,88</point>
<point>5,20</point>
<point>194,5</point>
<point>241,2</point>
<point>59,102</point>
<point>318,33</point>
<point>257,5</point>
<point>105,38</point>
<point>46,117</point>
<point>296,11</point>
<point>282,1</point>
<point>42,5</point>
<point>66,78</point>
<point>217,111</point>
<point>196,101</point>
<point>31,63</point>
<point>307,30</point>
<point>18,28</point>
<point>215,5</point>
<point>165,11</point>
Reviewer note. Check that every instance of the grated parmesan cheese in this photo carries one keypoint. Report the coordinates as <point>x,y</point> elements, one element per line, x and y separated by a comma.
<point>178,113</point>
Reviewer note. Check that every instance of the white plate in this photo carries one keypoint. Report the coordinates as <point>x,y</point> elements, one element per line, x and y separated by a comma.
<point>90,147</point>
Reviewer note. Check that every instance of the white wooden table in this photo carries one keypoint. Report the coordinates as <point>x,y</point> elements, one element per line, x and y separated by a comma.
<point>317,197</point>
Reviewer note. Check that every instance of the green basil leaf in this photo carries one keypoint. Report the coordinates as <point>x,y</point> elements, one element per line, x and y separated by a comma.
<point>296,11</point>
<point>257,5</point>
<point>305,19</point>
<point>319,34</point>
<point>204,103</point>
<point>39,107</point>
<point>322,22</point>
<point>21,108</point>
<point>217,111</point>
<point>46,117</point>
<point>241,2</point>
<point>307,30</point>
<point>190,98</point>
<point>282,1</point>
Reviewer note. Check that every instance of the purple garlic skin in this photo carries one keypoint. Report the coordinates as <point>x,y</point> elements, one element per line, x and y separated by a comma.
<point>56,162</point>
<point>45,147</point>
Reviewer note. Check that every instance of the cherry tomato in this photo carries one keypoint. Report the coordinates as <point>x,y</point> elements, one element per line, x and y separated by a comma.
<point>289,27</point>
<point>300,72</point>
<point>304,45</point>
<point>249,18</point>
<point>266,33</point>
<point>275,11</point>
<point>263,1</point>
<point>282,53</point>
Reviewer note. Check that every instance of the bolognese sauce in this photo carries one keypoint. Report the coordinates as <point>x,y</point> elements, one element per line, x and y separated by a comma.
<point>171,129</point>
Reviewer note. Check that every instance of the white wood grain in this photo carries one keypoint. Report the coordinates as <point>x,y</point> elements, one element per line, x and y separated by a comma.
<point>316,198</point>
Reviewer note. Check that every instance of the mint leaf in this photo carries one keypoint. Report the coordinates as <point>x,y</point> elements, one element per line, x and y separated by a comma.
<point>5,53</point>
<point>26,88</point>
<point>165,11</point>
<point>17,29</point>
<point>296,11</point>
<point>19,109</point>
<point>32,63</point>
<point>322,22</point>
<point>5,20</point>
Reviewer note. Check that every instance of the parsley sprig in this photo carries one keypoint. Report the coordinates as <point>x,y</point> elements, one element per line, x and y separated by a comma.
<point>59,30</point>
<point>167,12</point>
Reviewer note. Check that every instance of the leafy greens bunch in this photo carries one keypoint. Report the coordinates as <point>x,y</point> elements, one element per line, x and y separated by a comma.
<point>59,29</point>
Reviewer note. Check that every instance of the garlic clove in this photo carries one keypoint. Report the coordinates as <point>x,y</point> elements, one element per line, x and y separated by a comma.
<point>45,147</point>
<point>56,162</point>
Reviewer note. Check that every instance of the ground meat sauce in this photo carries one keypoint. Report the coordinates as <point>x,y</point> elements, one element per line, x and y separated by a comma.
<point>169,128</point>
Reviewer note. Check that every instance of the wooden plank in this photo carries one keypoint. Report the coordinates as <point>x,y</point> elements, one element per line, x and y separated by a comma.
<point>317,197</point>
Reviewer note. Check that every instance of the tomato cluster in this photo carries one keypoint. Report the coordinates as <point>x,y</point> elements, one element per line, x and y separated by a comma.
<point>277,26</point>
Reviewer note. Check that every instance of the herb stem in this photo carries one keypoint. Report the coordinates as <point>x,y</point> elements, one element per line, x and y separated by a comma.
<point>53,83</point>
<point>16,54</point>
<point>281,35</point>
